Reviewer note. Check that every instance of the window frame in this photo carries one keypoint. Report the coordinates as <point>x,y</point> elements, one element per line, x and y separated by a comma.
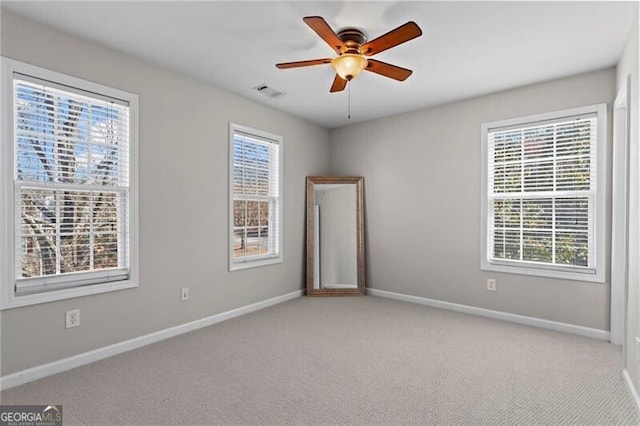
<point>8,295</point>
<point>597,274</point>
<point>259,260</point>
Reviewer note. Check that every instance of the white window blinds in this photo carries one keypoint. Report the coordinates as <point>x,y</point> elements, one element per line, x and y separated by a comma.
<point>256,206</point>
<point>542,189</point>
<point>71,180</point>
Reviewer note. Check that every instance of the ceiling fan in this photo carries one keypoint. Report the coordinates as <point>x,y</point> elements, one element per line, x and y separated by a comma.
<point>352,48</point>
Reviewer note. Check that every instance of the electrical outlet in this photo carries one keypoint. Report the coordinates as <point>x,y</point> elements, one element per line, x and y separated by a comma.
<point>491,284</point>
<point>184,294</point>
<point>72,318</point>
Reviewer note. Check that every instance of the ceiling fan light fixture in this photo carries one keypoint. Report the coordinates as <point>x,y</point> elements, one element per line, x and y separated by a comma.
<point>349,65</point>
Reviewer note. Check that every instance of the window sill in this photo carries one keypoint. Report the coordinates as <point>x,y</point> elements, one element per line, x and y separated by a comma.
<point>254,263</point>
<point>541,272</point>
<point>13,301</point>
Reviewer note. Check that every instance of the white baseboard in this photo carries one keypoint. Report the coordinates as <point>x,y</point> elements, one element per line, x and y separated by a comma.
<point>632,390</point>
<point>505,316</point>
<point>40,371</point>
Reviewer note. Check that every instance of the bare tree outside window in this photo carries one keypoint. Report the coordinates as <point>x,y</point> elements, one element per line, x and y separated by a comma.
<point>71,169</point>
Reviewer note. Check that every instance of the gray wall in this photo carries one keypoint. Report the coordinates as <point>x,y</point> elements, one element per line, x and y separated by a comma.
<point>183,150</point>
<point>628,65</point>
<point>422,197</point>
<point>338,235</point>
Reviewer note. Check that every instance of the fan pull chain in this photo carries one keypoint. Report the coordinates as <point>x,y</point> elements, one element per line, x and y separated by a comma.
<point>348,102</point>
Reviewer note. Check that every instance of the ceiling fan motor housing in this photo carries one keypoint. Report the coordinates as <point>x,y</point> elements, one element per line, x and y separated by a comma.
<point>352,38</point>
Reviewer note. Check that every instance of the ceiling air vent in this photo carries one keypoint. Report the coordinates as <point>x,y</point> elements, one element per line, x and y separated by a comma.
<point>269,91</point>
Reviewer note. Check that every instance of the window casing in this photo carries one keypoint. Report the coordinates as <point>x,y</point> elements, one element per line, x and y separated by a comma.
<point>543,194</point>
<point>255,199</point>
<point>69,192</point>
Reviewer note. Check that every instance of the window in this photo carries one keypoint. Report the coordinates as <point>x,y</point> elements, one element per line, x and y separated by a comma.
<point>543,194</point>
<point>69,194</point>
<point>255,205</point>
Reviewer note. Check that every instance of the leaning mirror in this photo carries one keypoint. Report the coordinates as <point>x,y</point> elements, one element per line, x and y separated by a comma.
<point>335,236</point>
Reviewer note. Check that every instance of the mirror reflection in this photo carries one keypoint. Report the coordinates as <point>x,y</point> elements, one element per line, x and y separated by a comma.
<point>335,264</point>
<point>335,231</point>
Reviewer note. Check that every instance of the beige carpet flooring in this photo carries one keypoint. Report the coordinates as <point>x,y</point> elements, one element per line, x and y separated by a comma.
<point>360,360</point>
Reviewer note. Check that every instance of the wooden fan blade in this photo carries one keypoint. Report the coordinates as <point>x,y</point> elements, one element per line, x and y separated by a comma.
<point>403,33</point>
<point>388,70</point>
<point>325,32</point>
<point>338,85</point>
<point>297,64</point>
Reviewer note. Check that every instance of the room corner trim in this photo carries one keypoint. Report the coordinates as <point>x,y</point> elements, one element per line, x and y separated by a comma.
<point>505,316</point>
<point>44,370</point>
<point>632,390</point>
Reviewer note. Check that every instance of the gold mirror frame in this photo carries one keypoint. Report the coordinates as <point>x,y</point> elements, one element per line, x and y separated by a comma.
<point>358,181</point>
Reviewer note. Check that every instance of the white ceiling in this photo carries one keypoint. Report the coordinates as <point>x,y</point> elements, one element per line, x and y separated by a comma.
<point>467,48</point>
